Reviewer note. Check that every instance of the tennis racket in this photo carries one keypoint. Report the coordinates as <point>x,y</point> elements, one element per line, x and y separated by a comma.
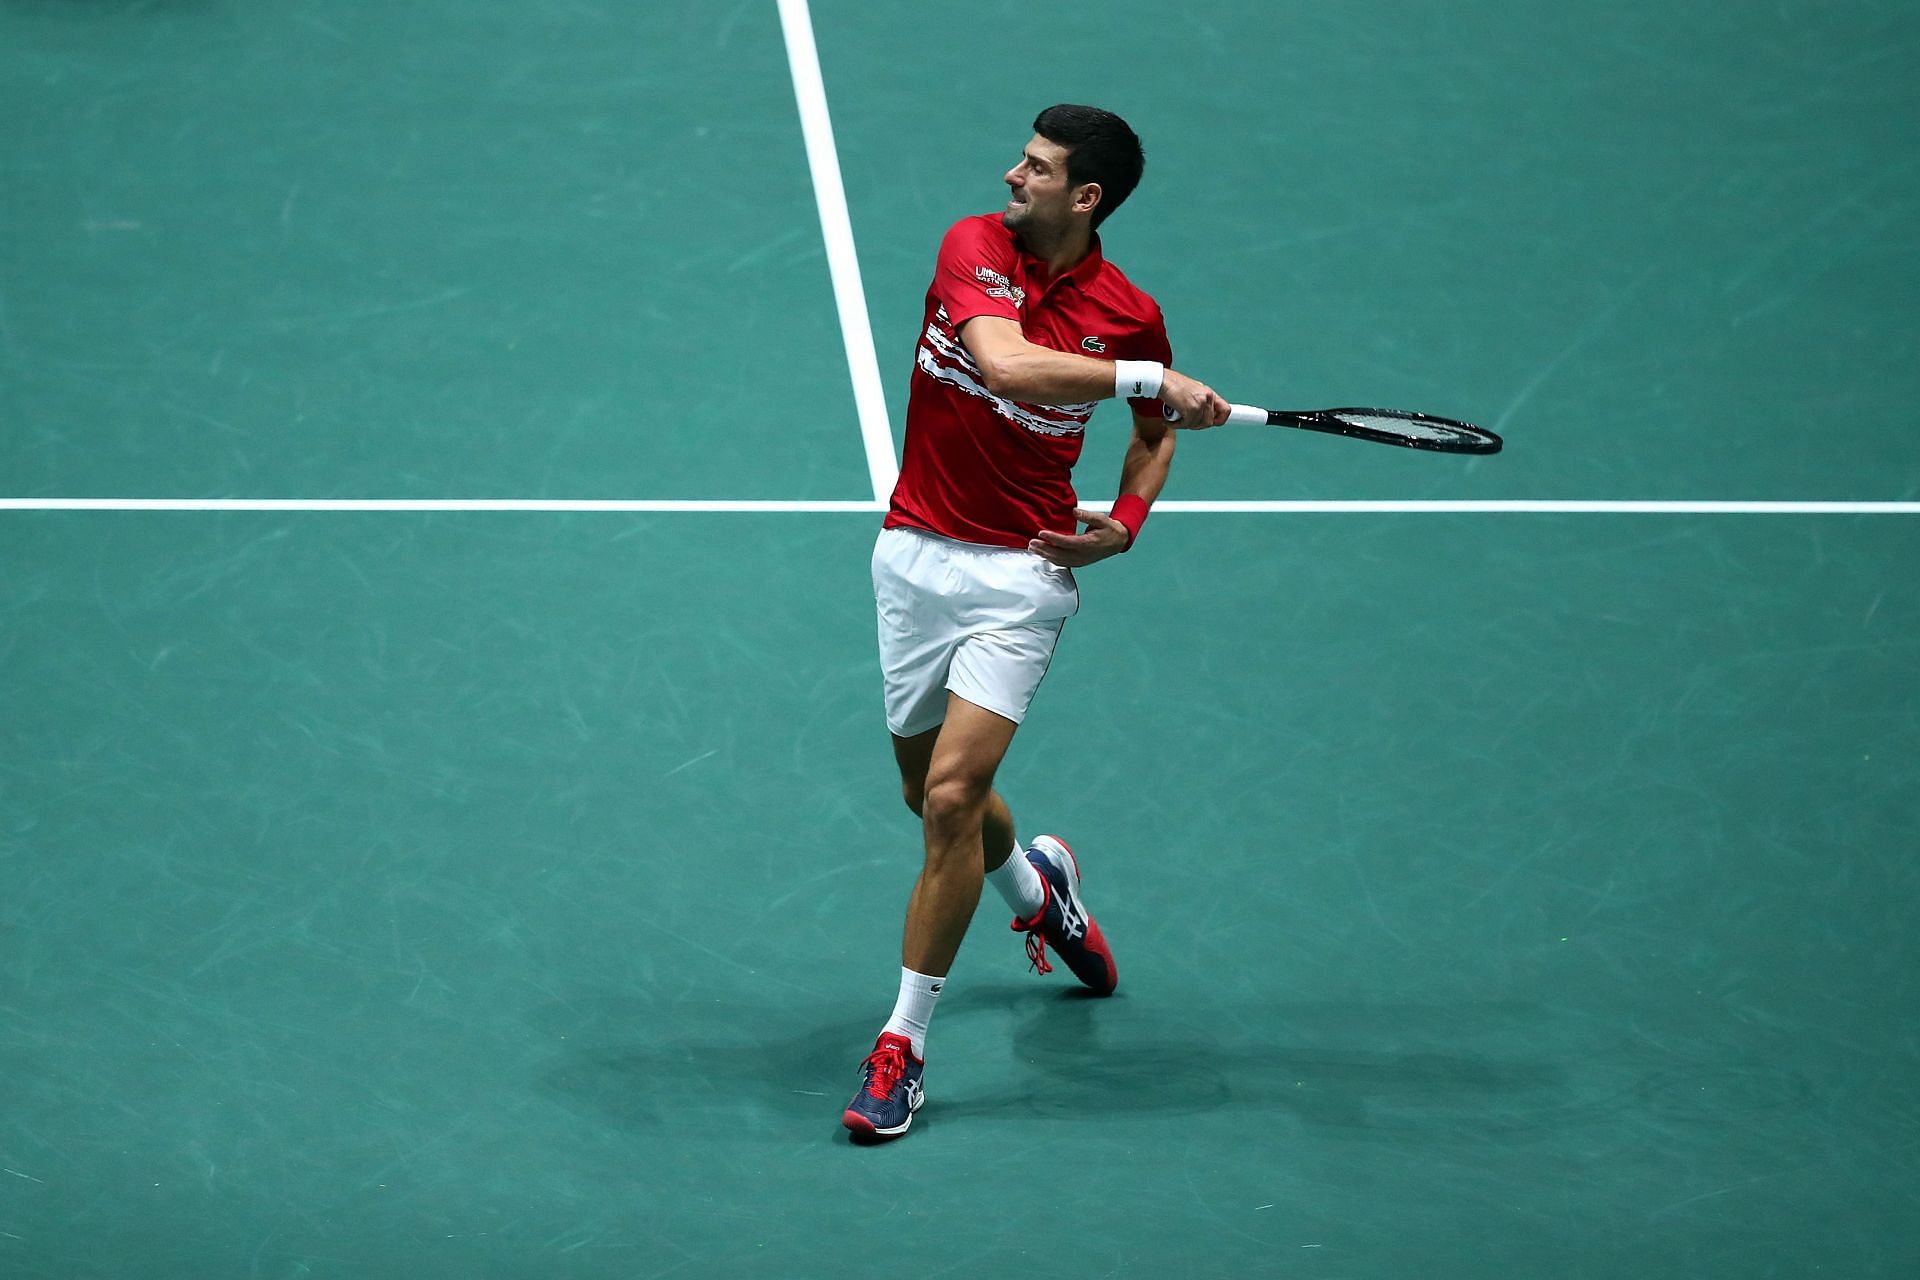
<point>1382,426</point>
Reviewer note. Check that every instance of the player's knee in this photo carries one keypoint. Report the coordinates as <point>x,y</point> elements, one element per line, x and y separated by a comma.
<point>952,801</point>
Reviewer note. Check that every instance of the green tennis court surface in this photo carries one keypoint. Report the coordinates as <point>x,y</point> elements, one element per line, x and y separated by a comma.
<point>498,895</point>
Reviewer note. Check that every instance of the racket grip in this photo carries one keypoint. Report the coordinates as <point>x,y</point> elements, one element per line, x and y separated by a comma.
<point>1238,415</point>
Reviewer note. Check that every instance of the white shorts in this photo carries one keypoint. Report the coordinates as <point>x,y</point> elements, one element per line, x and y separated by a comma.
<point>979,621</point>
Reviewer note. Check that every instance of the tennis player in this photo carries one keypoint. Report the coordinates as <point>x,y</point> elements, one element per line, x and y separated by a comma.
<point>1027,326</point>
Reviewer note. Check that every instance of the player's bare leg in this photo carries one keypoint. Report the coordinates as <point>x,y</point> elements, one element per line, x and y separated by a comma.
<point>956,800</point>
<point>1051,914</point>
<point>947,778</point>
<point>914,756</point>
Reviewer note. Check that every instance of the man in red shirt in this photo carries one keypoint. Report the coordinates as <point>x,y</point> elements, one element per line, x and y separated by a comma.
<point>1027,326</point>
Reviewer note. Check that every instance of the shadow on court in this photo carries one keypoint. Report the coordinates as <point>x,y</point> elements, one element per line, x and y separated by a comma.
<point>1393,1071</point>
<point>1086,1067</point>
<point>1387,1071</point>
<point>688,1066</point>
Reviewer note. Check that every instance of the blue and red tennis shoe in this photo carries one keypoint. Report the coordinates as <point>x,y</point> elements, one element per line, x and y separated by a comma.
<point>1062,921</point>
<point>890,1090</point>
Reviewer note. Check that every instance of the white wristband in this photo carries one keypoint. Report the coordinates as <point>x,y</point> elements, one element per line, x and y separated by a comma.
<point>1137,379</point>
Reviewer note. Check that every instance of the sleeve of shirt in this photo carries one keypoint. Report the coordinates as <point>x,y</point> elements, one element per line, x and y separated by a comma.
<point>974,273</point>
<point>1151,344</point>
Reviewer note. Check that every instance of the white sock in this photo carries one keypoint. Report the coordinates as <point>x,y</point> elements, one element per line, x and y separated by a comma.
<point>1019,884</point>
<point>914,1009</point>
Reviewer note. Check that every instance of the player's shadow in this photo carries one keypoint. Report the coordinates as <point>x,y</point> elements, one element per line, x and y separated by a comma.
<point>716,1066</point>
<point>721,1068</point>
<point>1321,1065</point>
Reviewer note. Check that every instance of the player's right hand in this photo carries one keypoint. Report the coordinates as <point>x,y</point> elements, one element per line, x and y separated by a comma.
<point>1189,404</point>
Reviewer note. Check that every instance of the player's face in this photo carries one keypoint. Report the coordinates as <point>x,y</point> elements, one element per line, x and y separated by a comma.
<point>1041,199</point>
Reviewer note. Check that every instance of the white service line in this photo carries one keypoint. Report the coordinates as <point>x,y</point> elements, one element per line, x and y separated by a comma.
<point>1601,506</point>
<point>431,504</point>
<point>856,330</point>
<point>1361,506</point>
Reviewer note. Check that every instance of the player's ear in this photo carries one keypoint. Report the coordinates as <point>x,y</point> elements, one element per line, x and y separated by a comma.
<point>1087,198</point>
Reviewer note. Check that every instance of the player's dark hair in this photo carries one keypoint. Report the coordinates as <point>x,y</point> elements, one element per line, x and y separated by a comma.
<point>1100,148</point>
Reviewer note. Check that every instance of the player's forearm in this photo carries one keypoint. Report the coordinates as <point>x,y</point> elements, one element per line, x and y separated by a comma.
<point>1149,459</point>
<point>1038,375</point>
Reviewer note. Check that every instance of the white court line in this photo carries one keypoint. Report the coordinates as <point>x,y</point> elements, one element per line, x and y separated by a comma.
<point>810,93</point>
<point>1624,506</point>
<point>1365,506</point>
<point>883,469</point>
<point>433,504</point>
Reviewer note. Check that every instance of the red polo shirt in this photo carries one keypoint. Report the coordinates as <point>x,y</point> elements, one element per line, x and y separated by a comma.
<point>979,467</point>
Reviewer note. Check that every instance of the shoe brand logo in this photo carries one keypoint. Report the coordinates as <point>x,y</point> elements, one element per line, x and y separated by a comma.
<point>1076,924</point>
<point>913,1094</point>
<point>1073,921</point>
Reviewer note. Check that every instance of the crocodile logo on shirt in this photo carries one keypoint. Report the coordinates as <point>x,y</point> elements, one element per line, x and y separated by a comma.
<point>1092,344</point>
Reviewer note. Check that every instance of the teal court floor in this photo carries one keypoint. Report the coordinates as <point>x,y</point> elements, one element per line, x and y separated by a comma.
<point>501,893</point>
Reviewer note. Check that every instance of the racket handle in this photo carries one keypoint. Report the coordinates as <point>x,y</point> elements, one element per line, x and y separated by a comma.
<point>1238,415</point>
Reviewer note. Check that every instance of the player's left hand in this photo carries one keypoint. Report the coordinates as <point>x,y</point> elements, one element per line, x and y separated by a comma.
<point>1104,537</point>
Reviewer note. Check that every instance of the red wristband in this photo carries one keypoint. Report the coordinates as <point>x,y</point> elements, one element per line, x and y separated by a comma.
<point>1130,509</point>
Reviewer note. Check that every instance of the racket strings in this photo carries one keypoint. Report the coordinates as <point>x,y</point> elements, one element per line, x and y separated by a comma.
<point>1415,429</point>
<point>1411,427</point>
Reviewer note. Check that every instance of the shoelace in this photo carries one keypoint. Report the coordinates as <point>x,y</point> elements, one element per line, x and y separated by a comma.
<point>1036,943</point>
<point>1037,953</point>
<point>888,1063</point>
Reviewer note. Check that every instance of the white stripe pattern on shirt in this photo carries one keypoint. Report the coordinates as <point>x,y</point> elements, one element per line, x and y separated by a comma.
<point>945,357</point>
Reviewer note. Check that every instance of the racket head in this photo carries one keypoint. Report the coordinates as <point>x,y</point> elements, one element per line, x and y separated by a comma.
<point>1401,427</point>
